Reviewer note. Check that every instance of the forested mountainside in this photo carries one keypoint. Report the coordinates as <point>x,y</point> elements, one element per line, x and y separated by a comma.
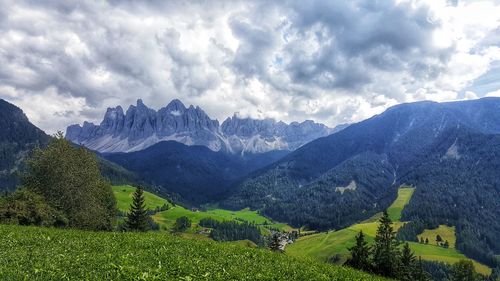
<point>197,173</point>
<point>322,184</point>
<point>17,137</point>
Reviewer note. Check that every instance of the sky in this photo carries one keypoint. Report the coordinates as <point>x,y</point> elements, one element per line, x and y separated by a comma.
<point>65,62</point>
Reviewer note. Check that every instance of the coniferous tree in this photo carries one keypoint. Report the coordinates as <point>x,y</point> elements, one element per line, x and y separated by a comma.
<point>137,218</point>
<point>407,269</point>
<point>463,271</point>
<point>446,244</point>
<point>360,254</point>
<point>385,250</point>
<point>439,239</point>
<point>419,274</point>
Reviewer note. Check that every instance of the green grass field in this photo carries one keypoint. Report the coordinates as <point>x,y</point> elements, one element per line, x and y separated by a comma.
<point>123,195</point>
<point>322,246</point>
<point>404,196</point>
<point>31,253</point>
<point>166,219</point>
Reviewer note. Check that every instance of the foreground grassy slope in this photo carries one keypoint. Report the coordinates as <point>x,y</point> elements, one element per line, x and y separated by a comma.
<point>30,253</point>
<point>324,245</point>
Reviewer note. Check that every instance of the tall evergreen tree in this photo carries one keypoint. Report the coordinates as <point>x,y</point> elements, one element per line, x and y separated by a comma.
<point>407,269</point>
<point>385,250</point>
<point>463,271</point>
<point>360,254</point>
<point>419,274</point>
<point>137,218</point>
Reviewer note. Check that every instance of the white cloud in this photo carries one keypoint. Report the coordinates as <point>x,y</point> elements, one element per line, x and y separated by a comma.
<point>334,62</point>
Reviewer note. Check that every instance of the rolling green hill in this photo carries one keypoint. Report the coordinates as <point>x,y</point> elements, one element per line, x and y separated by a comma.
<point>167,218</point>
<point>123,195</point>
<point>31,253</point>
<point>324,245</point>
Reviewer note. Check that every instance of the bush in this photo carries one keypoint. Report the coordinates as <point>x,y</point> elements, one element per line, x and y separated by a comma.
<point>182,224</point>
<point>24,207</point>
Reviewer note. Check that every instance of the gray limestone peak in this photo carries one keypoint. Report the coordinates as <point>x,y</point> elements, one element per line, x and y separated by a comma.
<point>140,127</point>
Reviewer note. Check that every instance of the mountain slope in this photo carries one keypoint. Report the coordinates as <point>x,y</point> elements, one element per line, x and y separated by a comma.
<point>406,144</point>
<point>17,137</point>
<point>141,127</point>
<point>197,173</point>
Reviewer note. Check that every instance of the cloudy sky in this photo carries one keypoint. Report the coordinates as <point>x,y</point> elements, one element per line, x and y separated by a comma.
<point>64,62</point>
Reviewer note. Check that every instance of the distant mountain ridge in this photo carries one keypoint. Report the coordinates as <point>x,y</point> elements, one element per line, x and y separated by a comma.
<point>198,174</point>
<point>141,127</point>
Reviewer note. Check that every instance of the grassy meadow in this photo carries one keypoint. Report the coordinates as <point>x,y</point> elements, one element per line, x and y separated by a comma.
<point>33,253</point>
<point>166,219</point>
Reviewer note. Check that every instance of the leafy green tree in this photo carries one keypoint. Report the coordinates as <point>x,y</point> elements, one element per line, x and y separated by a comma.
<point>69,179</point>
<point>182,224</point>
<point>360,254</point>
<point>463,271</point>
<point>385,249</point>
<point>25,207</point>
<point>137,217</point>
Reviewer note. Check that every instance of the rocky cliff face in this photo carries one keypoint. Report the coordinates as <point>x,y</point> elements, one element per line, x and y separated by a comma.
<point>141,127</point>
<point>246,135</point>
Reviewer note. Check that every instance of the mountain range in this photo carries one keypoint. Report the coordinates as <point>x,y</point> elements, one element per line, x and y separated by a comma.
<point>141,127</point>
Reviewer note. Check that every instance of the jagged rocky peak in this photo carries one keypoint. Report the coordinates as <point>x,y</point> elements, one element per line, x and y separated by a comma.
<point>140,127</point>
<point>175,107</point>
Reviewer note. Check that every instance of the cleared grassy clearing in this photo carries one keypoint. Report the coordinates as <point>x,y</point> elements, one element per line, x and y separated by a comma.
<point>446,232</point>
<point>404,196</point>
